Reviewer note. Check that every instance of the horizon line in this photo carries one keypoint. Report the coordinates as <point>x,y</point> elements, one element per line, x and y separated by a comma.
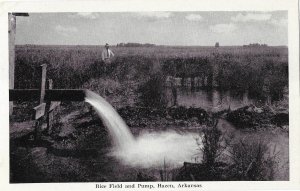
<point>141,44</point>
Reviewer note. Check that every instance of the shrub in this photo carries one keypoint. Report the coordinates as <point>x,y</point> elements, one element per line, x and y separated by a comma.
<point>211,143</point>
<point>103,86</point>
<point>152,92</point>
<point>211,146</point>
<point>245,159</point>
<point>117,93</point>
<point>251,160</point>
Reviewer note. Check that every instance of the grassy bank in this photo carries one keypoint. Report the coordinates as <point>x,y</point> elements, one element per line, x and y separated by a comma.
<point>261,70</point>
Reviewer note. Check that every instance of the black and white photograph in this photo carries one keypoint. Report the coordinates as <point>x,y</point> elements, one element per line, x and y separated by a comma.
<point>149,96</point>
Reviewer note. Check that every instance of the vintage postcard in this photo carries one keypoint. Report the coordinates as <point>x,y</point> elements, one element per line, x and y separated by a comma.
<point>150,95</point>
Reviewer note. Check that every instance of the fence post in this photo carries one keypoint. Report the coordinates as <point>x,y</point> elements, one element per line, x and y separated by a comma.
<point>11,33</point>
<point>43,83</point>
<point>11,44</point>
<point>49,113</point>
<point>40,109</point>
<point>51,109</point>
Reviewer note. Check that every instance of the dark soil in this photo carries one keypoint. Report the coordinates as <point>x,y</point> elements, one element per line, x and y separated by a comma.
<point>77,148</point>
<point>256,118</point>
<point>147,116</point>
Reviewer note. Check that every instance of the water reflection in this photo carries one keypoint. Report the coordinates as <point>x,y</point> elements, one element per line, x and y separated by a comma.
<point>214,100</point>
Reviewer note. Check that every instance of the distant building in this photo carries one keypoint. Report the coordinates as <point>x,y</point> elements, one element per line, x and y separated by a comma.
<point>217,45</point>
<point>255,45</point>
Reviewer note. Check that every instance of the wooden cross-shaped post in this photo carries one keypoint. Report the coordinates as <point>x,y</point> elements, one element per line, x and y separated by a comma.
<point>39,111</point>
<point>44,108</point>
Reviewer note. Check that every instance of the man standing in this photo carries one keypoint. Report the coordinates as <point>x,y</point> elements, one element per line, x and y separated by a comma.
<point>107,54</point>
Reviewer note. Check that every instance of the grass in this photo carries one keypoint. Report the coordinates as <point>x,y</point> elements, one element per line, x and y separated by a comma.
<point>211,143</point>
<point>252,161</point>
<point>261,70</point>
<point>227,158</point>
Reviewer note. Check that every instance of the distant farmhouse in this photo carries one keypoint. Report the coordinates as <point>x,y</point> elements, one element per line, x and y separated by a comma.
<point>255,45</point>
<point>217,45</point>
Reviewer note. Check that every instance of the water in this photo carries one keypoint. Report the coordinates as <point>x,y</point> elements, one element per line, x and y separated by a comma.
<point>214,100</point>
<point>149,149</point>
<point>153,149</point>
<point>116,126</point>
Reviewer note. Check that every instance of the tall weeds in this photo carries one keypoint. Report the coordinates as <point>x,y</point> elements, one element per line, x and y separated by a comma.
<point>211,143</point>
<point>227,68</point>
<point>251,160</point>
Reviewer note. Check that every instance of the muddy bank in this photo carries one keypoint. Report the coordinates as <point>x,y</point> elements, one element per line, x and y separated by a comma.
<point>78,149</point>
<point>63,156</point>
<point>258,118</point>
<point>172,116</point>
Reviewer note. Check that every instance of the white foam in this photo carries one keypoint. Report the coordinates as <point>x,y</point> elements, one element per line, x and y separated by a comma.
<point>149,149</point>
<point>156,148</point>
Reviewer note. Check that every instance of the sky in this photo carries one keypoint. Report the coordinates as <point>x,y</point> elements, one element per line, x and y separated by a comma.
<point>161,28</point>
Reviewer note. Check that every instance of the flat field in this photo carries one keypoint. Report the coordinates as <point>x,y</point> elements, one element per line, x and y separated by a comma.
<point>253,79</point>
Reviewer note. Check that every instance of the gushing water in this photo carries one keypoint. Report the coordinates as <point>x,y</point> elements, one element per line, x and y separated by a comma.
<point>116,126</point>
<point>149,149</point>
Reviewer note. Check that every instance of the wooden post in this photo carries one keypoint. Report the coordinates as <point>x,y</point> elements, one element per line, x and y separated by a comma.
<point>51,109</point>
<point>11,45</point>
<point>43,82</point>
<point>11,34</point>
<point>51,95</point>
<point>49,113</point>
<point>40,109</point>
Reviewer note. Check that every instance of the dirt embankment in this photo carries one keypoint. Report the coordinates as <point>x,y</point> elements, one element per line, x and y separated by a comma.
<point>143,117</point>
<point>258,118</point>
<point>77,148</point>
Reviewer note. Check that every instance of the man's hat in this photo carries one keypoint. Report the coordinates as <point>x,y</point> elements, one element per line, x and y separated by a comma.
<point>106,45</point>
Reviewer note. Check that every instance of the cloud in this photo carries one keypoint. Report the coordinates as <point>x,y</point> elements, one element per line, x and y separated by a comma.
<point>194,17</point>
<point>223,28</point>
<point>279,22</point>
<point>65,30</point>
<point>251,17</point>
<point>86,15</point>
<point>155,15</point>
